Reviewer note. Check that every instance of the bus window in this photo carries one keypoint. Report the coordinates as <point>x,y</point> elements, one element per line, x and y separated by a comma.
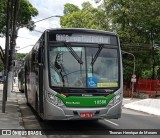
<point>65,70</point>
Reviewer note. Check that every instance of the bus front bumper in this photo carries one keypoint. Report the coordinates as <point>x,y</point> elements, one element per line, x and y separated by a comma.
<point>53,112</point>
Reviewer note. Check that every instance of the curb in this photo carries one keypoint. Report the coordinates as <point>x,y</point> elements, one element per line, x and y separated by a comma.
<point>21,122</point>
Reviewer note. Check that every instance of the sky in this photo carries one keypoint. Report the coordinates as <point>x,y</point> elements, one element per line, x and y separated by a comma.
<point>46,8</point>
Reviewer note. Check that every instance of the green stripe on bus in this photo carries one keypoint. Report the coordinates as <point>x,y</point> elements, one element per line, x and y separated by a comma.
<point>88,101</point>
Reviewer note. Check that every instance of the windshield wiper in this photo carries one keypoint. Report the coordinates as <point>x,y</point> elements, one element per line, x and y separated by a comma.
<point>59,67</point>
<point>74,54</point>
<point>96,55</point>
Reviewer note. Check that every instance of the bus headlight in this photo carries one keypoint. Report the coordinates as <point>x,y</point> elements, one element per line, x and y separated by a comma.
<point>55,100</point>
<point>111,103</point>
<point>115,100</point>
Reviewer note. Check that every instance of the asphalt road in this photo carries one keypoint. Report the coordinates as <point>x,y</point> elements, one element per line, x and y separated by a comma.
<point>67,129</point>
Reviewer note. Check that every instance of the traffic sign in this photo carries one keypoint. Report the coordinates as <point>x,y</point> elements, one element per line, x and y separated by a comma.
<point>133,79</point>
<point>134,76</point>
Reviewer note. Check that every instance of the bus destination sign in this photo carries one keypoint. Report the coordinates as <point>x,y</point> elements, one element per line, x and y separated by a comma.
<point>101,39</point>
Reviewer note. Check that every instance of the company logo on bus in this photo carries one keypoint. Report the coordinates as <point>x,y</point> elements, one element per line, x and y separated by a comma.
<point>83,38</point>
<point>72,102</point>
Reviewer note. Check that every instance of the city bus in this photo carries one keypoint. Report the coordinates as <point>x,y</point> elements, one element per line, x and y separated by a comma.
<point>73,74</point>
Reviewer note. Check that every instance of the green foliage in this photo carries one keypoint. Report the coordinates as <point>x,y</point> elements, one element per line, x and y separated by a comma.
<point>87,17</point>
<point>20,56</point>
<point>136,22</point>
<point>26,12</point>
<point>2,15</point>
<point>147,74</point>
<point>86,6</point>
<point>70,8</point>
<point>1,65</point>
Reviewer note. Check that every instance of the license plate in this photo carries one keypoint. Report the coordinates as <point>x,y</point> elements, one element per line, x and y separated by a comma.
<point>86,115</point>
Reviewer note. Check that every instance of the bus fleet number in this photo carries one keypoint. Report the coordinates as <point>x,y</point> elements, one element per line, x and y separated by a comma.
<point>100,101</point>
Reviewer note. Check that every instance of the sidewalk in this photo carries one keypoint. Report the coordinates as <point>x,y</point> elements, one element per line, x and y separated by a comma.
<point>11,119</point>
<point>151,106</point>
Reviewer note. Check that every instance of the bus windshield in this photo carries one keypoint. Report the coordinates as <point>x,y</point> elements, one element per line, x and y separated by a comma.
<point>83,66</point>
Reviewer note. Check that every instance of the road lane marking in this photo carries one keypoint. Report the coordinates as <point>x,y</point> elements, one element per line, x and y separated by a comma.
<point>111,122</point>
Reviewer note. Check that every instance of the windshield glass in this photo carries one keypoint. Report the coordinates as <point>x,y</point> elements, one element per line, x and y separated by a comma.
<point>79,66</point>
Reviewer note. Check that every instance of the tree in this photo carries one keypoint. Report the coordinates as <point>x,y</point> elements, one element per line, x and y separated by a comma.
<point>21,13</point>
<point>87,17</point>
<point>1,65</point>
<point>20,56</point>
<point>70,8</point>
<point>26,12</point>
<point>2,15</point>
<point>24,19</point>
<point>135,22</point>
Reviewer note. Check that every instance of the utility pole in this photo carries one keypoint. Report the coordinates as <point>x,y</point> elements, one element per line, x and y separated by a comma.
<point>14,29</point>
<point>133,79</point>
<point>134,60</point>
<point>5,86</point>
<point>11,22</point>
<point>15,9</point>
